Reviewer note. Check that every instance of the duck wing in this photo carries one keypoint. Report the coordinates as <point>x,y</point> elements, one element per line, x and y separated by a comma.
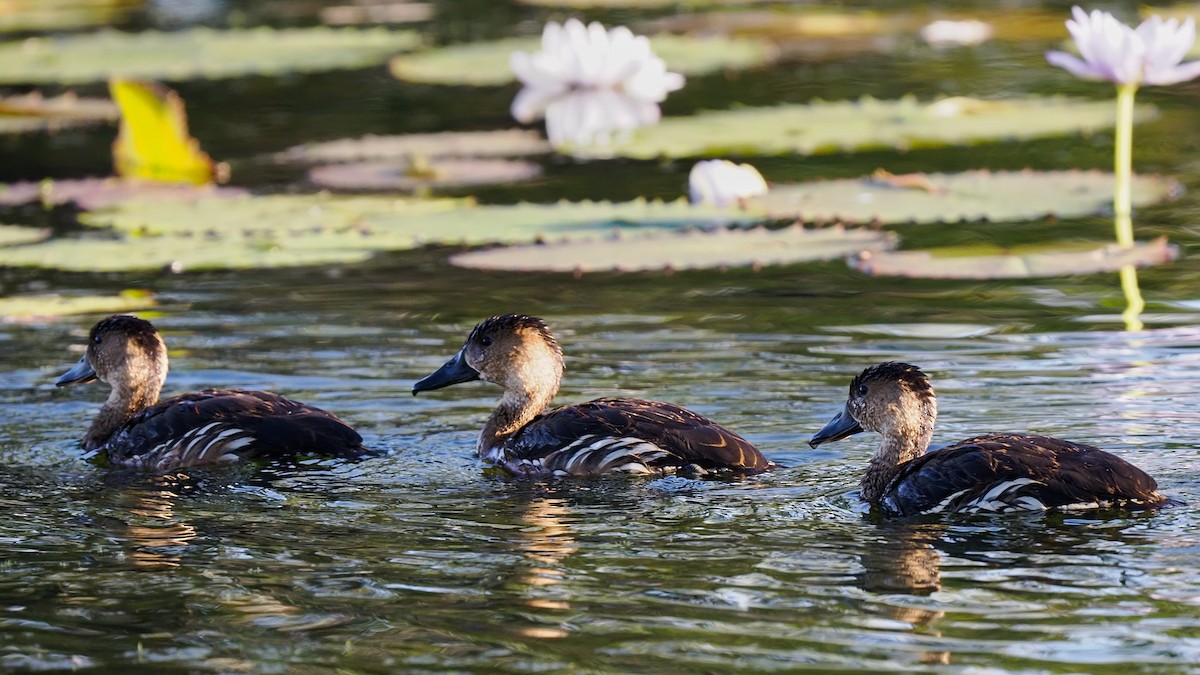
<point>222,425</point>
<point>1016,472</point>
<point>630,435</point>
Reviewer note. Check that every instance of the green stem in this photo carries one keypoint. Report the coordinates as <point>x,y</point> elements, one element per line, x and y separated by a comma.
<point>1123,165</point>
<point>1134,304</point>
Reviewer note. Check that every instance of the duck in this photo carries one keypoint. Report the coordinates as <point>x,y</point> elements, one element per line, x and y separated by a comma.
<point>134,430</point>
<point>991,473</point>
<point>604,436</point>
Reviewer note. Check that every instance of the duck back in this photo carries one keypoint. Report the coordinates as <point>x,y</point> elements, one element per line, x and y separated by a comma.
<point>1016,472</point>
<point>624,434</point>
<point>222,425</point>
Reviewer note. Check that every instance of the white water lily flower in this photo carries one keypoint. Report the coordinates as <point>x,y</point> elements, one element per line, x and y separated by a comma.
<point>589,71</point>
<point>1110,50</point>
<point>720,182</point>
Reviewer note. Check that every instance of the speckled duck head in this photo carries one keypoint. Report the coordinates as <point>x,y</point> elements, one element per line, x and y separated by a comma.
<point>127,354</point>
<point>892,398</point>
<point>516,351</point>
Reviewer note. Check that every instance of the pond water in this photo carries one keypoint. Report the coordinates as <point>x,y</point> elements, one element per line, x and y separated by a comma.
<point>421,559</point>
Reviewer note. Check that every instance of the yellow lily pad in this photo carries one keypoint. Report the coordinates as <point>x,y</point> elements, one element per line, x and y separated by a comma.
<point>35,112</point>
<point>196,53</point>
<point>681,250</point>
<point>867,124</point>
<point>47,306</point>
<point>154,143</point>
<point>968,196</point>
<point>1042,260</point>
<point>486,63</point>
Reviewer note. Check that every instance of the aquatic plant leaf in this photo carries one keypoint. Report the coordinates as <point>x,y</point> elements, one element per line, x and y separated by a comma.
<point>408,176</point>
<point>361,13</point>
<point>681,250</point>
<point>866,124</point>
<point>1043,260</point>
<point>97,193</point>
<point>47,306</point>
<point>35,112</point>
<point>40,15</point>
<point>486,63</point>
<point>499,143</point>
<point>967,196</point>
<point>153,143</point>
<point>196,52</point>
<point>14,235</point>
<point>633,4</point>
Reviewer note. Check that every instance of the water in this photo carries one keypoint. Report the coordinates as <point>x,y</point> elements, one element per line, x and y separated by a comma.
<point>422,559</point>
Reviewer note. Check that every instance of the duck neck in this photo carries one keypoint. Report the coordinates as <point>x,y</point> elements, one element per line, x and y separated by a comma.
<point>123,403</point>
<point>516,409</point>
<point>901,444</point>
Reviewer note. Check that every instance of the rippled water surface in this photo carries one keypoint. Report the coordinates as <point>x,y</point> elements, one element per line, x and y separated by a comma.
<point>422,559</point>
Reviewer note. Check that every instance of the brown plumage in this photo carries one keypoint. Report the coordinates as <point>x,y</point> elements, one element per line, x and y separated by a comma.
<point>989,473</point>
<point>606,435</point>
<point>134,430</point>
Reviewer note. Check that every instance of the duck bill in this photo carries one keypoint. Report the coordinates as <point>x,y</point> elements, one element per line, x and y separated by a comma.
<point>842,425</point>
<point>455,371</point>
<point>82,373</point>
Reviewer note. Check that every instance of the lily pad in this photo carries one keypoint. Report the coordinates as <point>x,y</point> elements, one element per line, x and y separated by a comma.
<point>293,230</point>
<point>97,193</point>
<point>486,63</point>
<point>407,176</point>
<point>867,124</point>
<point>967,196</point>
<point>41,307</point>
<point>40,15</point>
<point>197,52</point>
<point>500,143</point>
<point>682,250</point>
<point>34,112</point>
<point>361,13</point>
<point>1043,260</point>
<point>632,4</point>
<point>13,235</point>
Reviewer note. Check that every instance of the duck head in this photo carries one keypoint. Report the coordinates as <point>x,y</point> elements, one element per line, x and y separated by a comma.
<point>124,352</point>
<point>516,351</point>
<point>889,398</point>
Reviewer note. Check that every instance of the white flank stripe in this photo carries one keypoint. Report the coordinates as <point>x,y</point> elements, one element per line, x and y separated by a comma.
<point>945,502</point>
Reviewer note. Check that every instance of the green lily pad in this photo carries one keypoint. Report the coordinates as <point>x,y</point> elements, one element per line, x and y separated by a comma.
<point>437,173</point>
<point>632,4</point>
<point>41,307</point>
<point>41,15</point>
<point>682,250</point>
<point>500,143</point>
<point>97,193</point>
<point>197,52</point>
<point>486,63</point>
<point>294,230</point>
<point>363,13</point>
<point>13,235</point>
<point>867,124</point>
<point>1042,260</point>
<point>967,196</point>
<point>34,112</point>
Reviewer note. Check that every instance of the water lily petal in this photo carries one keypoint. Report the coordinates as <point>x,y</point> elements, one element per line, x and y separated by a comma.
<point>531,102</point>
<point>1074,65</point>
<point>720,182</point>
<point>1181,73</point>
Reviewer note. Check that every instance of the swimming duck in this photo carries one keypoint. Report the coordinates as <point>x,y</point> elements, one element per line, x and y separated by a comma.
<point>989,473</point>
<point>134,430</point>
<point>607,435</point>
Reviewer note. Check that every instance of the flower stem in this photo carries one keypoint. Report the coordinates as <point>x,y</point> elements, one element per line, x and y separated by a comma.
<point>1134,304</point>
<point>1123,166</point>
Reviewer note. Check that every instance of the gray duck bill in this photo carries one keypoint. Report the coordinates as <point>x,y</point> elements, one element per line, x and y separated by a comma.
<point>82,373</point>
<point>454,371</point>
<point>842,425</point>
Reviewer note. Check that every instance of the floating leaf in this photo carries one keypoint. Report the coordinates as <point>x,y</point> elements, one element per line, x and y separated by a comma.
<point>376,12</point>
<point>486,63</point>
<point>30,308</point>
<point>154,143</point>
<point>681,250</point>
<point>291,230</point>
<point>41,15</point>
<point>632,4</point>
<point>11,235</point>
<point>197,52</point>
<point>863,125</point>
<point>967,196</point>
<point>501,143</point>
<point>97,193</point>
<point>407,176</point>
<point>1042,260</point>
<point>34,112</point>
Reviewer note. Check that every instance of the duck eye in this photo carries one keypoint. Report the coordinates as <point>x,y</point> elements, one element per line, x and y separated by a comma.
<point>861,390</point>
<point>486,341</point>
<point>98,339</point>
